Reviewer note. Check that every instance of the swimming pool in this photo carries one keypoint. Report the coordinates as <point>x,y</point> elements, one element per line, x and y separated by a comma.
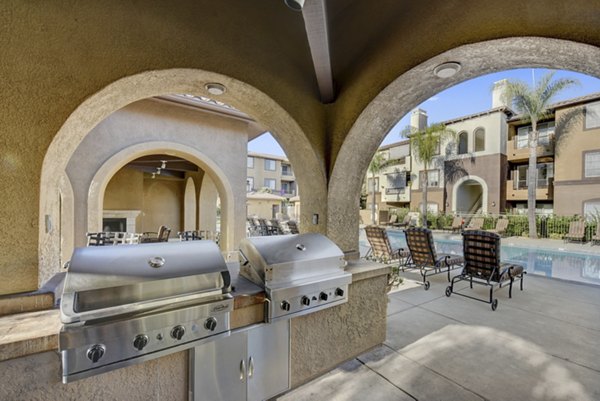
<point>565,265</point>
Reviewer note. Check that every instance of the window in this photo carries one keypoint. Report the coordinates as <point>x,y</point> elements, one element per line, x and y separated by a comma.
<point>249,184</point>
<point>250,163</point>
<point>545,173</point>
<point>592,164</point>
<point>269,165</point>
<point>396,183</point>
<point>592,115</point>
<point>433,178</point>
<point>286,169</point>
<point>545,134</point>
<point>463,143</point>
<point>270,183</point>
<point>479,140</point>
<point>287,187</point>
<point>591,209</point>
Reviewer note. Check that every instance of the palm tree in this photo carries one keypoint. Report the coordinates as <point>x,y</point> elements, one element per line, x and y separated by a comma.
<point>376,165</point>
<point>425,147</point>
<point>532,103</point>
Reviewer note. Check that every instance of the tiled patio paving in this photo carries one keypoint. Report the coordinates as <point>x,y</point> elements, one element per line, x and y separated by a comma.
<point>543,344</point>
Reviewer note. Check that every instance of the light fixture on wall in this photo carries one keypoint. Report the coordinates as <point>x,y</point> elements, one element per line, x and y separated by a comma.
<point>295,5</point>
<point>447,70</point>
<point>215,88</point>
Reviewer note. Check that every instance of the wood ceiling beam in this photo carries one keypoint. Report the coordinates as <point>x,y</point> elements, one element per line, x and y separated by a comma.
<point>314,13</point>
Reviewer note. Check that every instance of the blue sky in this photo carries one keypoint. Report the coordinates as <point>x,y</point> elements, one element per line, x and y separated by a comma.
<point>466,98</point>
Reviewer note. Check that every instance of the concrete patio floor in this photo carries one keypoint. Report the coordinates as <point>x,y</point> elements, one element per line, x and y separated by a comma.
<point>543,344</point>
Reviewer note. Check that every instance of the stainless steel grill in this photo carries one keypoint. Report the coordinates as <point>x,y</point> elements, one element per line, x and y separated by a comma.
<point>300,273</point>
<point>126,304</point>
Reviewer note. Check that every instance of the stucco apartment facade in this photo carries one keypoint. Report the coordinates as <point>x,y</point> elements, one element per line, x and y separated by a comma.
<point>483,169</point>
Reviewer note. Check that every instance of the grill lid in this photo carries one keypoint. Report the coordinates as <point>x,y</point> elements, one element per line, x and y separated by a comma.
<point>107,281</point>
<point>279,260</point>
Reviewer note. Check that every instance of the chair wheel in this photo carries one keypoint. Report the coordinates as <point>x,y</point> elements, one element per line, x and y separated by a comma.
<point>427,285</point>
<point>494,304</point>
<point>448,291</point>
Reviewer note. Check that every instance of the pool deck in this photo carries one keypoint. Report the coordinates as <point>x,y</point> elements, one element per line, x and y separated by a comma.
<point>543,344</point>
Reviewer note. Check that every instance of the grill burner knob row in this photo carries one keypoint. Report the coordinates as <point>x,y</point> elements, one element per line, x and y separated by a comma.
<point>95,352</point>
<point>323,296</point>
<point>210,324</point>
<point>339,292</point>
<point>285,305</point>
<point>177,332</point>
<point>305,301</point>
<point>140,341</point>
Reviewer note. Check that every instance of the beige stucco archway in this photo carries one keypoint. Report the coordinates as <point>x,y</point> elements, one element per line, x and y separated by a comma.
<point>310,171</point>
<point>416,86</point>
<point>115,163</point>
<point>458,186</point>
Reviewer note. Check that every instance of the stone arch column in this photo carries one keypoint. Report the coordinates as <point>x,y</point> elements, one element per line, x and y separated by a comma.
<point>310,170</point>
<point>416,86</point>
<point>190,206</point>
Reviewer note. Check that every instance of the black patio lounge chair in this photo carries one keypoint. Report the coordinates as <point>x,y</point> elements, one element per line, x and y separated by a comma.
<point>381,249</point>
<point>424,257</point>
<point>482,265</point>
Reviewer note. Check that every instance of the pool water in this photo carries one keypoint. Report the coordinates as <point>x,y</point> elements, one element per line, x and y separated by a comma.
<point>565,265</point>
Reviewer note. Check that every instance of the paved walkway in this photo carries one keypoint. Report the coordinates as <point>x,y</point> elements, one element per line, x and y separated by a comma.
<point>543,344</point>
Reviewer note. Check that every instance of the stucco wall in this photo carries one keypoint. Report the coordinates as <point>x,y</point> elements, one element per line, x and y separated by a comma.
<point>163,205</point>
<point>125,190</point>
<point>37,377</point>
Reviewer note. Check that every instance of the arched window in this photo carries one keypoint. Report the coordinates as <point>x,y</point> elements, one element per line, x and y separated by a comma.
<point>479,139</point>
<point>463,143</point>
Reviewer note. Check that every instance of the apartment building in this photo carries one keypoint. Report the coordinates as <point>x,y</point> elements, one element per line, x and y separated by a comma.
<point>272,172</point>
<point>469,174</point>
<point>270,186</point>
<point>392,182</point>
<point>577,156</point>
<point>483,169</point>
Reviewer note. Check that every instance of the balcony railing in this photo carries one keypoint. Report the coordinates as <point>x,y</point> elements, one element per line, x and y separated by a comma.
<point>395,191</point>
<point>522,184</point>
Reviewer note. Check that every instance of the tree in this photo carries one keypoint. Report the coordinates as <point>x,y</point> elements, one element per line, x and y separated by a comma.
<point>376,165</point>
<point>532,102</point>
<point>425,146</point>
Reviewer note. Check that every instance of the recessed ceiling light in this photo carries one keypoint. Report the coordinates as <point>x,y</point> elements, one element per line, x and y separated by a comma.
<point>447,70</point>
<point>215,88</point>
<point>295,5</point>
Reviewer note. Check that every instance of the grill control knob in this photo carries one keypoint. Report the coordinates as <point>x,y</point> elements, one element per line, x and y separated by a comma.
<point>177,332</point>
<point>305,301</point>
<point>339,292</point>
<point>210,324</point>
<point>95,352</point>
<point>285,305</point>
<point>323,296</point>
<point>140,341</point>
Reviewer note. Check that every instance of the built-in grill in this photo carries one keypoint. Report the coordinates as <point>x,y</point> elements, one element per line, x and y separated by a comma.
<point>126,304</point>
<point>300,273</point>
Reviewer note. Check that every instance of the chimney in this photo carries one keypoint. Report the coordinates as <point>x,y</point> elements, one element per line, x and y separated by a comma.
<point>418,119</point>
<point>498,94</point>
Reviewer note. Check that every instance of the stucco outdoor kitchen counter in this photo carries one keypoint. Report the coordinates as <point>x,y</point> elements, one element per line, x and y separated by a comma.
<point>34,332</point>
